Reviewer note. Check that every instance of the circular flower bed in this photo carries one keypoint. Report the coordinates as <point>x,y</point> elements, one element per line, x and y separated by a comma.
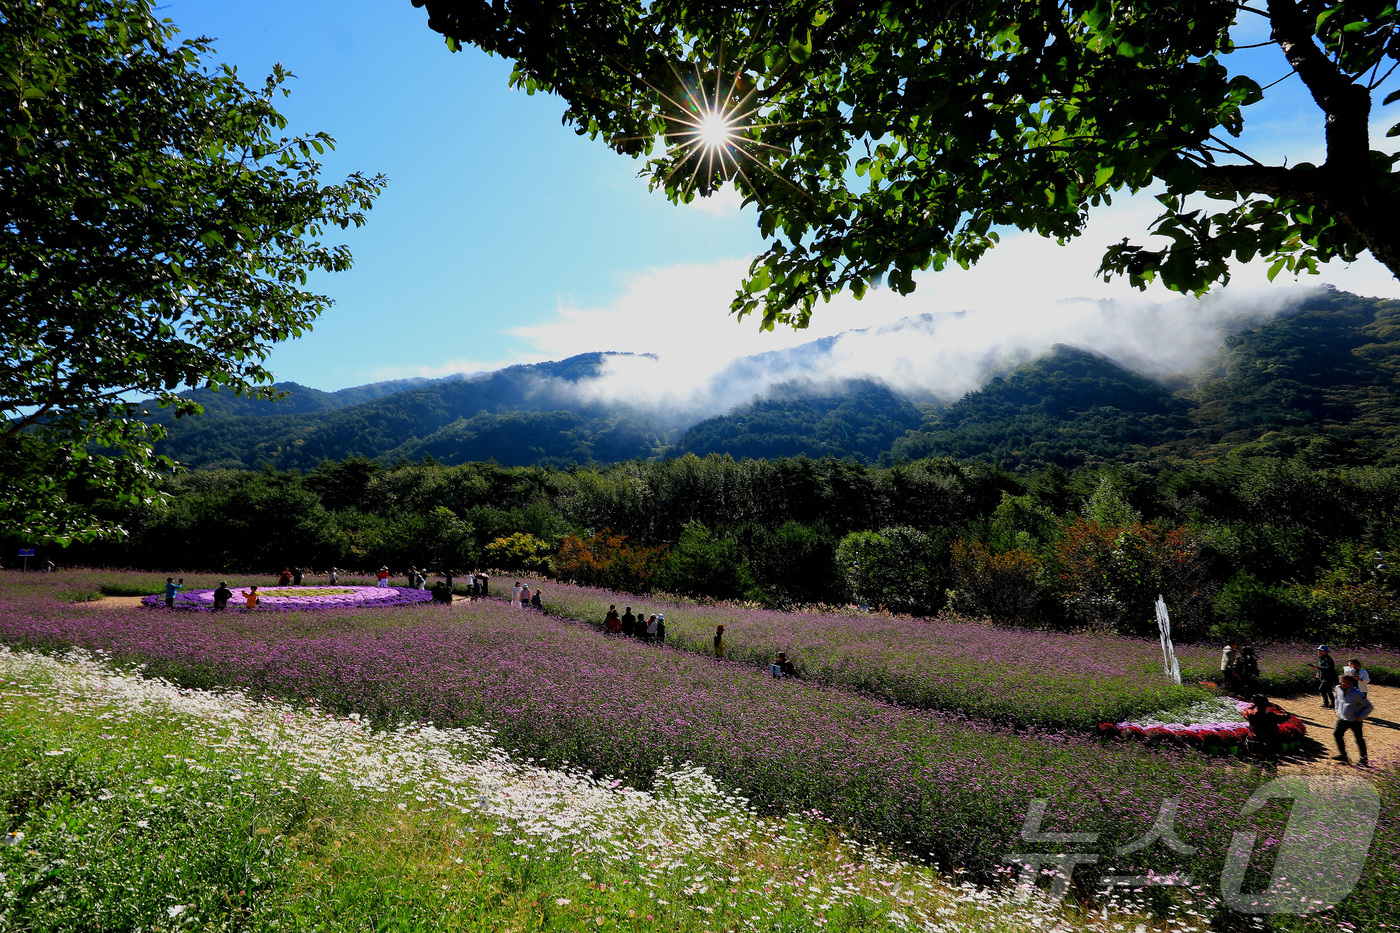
<point>303,598</point>
<point>1216,727</point>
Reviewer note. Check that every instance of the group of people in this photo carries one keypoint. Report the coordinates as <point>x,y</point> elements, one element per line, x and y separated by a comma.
<point>1347,695</point>
<point>650,628</point>
<point>521,597</point>
<point>1344,693</point>
<point>222,594</point>
<point>1239,669</point>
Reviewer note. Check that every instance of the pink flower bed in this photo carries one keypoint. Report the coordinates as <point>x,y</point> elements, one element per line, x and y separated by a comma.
<point>1214,737</point>
<point>288,598</point>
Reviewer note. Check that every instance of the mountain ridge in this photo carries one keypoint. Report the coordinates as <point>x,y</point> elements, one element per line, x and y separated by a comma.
<point>1322,378</point>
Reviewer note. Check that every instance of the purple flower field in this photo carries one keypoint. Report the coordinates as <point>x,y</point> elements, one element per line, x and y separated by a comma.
<point>939,784</point>
<point>955,664</point>
<point>950,663</point>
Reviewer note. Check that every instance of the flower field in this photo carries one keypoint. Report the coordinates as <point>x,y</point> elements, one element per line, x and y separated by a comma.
<point>959,665</point>
<point>1007,675</point>
<point>949,788</point>
<point>219,812</point>
<point>1215,726</point>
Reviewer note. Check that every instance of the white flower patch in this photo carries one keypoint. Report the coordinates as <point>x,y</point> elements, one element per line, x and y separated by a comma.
<point>1206,712</point>
<point>664,835</point>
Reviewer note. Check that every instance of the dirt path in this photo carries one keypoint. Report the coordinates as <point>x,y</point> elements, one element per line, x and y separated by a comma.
<point>120,602</point>
<point>1382,731</point>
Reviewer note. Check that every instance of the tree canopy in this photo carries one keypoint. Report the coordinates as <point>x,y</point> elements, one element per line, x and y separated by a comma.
<point>156,232</point>
<point>882,139</point>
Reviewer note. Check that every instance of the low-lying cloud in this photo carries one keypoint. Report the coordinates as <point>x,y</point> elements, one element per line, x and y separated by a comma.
<point>945,339</point>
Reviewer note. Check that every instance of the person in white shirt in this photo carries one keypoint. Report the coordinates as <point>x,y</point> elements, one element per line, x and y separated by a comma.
<point>1363,677</point>
<point>1352,708</point>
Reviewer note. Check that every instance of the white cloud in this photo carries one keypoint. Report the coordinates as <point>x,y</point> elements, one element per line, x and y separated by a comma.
<point>1026,295</point>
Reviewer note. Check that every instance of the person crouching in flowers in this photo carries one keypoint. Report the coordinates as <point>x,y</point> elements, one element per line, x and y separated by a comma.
<point>1264,720</point>
<point>250,596</point>
<point>221,597</point>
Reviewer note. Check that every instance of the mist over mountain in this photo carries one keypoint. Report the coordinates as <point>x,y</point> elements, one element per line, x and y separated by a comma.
<point>1134,382</point>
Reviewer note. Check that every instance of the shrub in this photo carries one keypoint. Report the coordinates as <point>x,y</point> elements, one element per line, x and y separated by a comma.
<point>519,551</point>
<point>1002,587</point>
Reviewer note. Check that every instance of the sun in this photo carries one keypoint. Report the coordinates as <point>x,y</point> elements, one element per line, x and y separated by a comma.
<point>715,130</point>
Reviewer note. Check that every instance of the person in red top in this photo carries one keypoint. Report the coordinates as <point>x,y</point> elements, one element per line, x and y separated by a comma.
<point>285,578</point>
<point>383,577</point>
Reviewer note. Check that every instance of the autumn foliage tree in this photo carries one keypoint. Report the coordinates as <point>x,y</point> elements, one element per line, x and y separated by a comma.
<point>606,559</point>
<point>1110,576</point>
<point>1004,587</point>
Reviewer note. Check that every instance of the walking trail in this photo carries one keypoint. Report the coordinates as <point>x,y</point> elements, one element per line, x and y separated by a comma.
<point>1382,730</point>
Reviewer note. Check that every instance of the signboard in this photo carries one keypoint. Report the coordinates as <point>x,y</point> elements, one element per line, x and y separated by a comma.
<point>25,552</point>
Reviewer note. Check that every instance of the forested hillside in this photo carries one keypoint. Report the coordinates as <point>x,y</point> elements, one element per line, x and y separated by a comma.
<point>1252,547</point>
<point>1322,381</point>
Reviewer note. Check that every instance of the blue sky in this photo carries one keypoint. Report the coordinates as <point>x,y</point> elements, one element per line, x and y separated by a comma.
<point>503,237</point>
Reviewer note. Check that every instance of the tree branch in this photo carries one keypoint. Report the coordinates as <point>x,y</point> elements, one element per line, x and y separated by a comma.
<point>1346,104</point>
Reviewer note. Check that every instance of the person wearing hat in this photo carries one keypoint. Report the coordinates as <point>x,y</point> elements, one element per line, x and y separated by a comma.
<point>660,629</point>
<point>1326,675</point>
<point>221,597</point>
<point>382,578</point>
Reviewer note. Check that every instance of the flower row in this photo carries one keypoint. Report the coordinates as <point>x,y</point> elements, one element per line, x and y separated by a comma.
<point>1220,738</point>
<point>287,599</point>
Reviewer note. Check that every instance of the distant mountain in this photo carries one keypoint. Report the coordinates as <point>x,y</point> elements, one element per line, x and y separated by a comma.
<point>296,399</point>
<point>858,419</point>
<point>1068,408</point>
<point>1322,380</point>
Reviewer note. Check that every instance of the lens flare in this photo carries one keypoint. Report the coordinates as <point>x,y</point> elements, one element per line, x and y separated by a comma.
<point>715,131</point>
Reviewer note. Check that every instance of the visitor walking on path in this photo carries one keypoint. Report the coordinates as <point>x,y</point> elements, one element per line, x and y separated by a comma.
<point>250,596</point>
<point>1352,707</point>
<point>221,597</point>
<point>171,588</point>
<point>1326,675</point>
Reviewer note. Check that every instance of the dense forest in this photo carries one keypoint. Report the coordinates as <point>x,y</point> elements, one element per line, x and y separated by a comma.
<point>1320,381</point>
<point>1254,547</point>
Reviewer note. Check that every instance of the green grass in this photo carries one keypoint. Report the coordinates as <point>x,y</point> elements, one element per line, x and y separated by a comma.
<point>125,816</point>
